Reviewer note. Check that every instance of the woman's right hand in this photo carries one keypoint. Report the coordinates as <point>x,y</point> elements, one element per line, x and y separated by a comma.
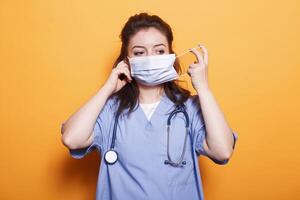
<point>118,78</point>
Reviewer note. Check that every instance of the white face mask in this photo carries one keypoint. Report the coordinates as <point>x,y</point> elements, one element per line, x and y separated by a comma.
<point>153,70</point>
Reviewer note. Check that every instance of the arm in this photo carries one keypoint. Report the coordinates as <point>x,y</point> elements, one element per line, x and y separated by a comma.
<point>77,130</point>
<point>219,141</point>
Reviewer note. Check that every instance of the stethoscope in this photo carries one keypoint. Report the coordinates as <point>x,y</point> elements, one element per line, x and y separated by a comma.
<point>111,156</point>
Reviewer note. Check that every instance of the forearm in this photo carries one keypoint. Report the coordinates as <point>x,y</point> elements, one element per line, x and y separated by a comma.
<point>219,135</point>
<point>79,126</point>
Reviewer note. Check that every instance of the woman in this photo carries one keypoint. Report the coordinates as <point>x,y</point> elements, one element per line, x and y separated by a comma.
<point>141,96</point>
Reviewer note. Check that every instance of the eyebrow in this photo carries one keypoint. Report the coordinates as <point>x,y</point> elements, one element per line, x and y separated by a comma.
<point>144,47</point>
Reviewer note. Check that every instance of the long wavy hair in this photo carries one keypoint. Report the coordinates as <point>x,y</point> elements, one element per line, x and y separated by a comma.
<point>128,95</point>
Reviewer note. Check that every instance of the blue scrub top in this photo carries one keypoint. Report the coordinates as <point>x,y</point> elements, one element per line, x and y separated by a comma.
<point>140,172</point>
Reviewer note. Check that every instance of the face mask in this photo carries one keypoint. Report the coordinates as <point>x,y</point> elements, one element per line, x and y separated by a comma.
<point>154,70</point>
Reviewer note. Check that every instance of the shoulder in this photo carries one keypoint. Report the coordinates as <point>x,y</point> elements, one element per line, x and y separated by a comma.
<point>111,103</point>
<point>193,108</point>
<point>112,100</point>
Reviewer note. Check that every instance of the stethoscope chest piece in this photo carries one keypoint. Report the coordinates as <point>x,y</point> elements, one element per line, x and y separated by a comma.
<point>111,157</point>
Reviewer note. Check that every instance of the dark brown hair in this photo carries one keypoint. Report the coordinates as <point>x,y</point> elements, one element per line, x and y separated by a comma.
<point>128,95</point>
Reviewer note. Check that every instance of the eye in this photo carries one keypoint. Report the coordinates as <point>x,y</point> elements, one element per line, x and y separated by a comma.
<point>137,53</point>
<point>161,51</point>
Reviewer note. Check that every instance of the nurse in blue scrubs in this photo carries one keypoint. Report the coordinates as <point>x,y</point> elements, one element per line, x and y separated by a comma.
<point>141,92</point>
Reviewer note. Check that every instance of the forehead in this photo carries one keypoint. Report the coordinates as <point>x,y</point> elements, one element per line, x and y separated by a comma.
<point>148,38</point>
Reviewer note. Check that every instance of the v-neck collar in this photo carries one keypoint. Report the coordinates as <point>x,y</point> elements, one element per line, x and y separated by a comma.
<point>163,106</point>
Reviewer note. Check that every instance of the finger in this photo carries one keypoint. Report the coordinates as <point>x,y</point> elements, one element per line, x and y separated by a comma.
<point>125,71</point>
<point>123,64</point>
<point>193,65</point>
<point>126,60</point>
<point>205,52</point>
<point>190,71</point>
<point>198,55</point>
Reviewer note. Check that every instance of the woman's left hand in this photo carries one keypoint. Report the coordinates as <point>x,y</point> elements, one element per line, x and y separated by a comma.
<point>198,71</point>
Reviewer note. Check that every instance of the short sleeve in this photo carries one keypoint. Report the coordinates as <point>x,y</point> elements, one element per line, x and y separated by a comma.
<point>100,130</point>
<point>199,131</point>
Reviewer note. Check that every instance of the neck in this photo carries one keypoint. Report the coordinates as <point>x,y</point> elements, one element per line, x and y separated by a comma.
<point>150,94</point>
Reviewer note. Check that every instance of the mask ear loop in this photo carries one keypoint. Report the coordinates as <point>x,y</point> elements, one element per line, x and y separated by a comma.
<point>185,52</point>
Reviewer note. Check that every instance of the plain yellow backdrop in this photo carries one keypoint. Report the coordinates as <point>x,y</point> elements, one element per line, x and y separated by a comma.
<point>54,55</point>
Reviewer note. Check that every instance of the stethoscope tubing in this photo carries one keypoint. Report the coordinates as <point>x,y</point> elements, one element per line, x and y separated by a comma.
<point>179,162</point>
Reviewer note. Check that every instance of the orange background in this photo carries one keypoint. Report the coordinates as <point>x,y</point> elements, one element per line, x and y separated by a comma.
<point>54,55</point>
